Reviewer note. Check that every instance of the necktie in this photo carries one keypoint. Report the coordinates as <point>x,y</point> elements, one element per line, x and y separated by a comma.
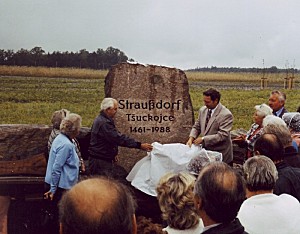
<point>208,117</point>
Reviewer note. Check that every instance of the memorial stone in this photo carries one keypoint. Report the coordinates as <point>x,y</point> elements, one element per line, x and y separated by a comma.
<point>154,106</point>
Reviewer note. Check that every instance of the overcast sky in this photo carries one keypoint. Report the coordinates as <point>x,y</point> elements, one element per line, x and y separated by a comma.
<point>175,33</point>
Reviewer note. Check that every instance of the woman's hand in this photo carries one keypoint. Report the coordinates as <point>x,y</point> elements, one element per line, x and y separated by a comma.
<point>82,166</point>
<point>48,195</point>
<point>240,138</point>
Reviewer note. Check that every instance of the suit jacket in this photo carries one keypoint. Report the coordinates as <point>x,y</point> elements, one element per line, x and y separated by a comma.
<point>234,227</point>
<point>217,133</point>
<point>282,112</point>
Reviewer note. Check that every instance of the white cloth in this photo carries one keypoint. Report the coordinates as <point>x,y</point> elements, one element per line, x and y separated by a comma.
<point>165,158</point>
<point>270,214</point>
<point>194,230</point>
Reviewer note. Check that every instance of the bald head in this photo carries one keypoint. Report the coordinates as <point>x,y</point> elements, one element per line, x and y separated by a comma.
<point>221,191</point>
<point>97,205</point>
<point>269,145</point>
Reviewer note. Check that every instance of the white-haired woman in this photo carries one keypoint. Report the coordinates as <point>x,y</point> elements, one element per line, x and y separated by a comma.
<point>63,163</point>
<point>176,201</point>
<point>56,119</point>
<point>256,130</point>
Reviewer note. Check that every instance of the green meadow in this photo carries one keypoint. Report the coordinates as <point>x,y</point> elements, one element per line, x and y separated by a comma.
<point>31,95</point>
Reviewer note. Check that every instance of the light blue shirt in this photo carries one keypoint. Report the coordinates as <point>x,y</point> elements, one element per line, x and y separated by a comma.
<point>279,111</point>
<point>63,164</point>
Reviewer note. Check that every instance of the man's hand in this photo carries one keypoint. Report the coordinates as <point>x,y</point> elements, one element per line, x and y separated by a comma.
<point>190,141</point>
<point>146,146</point>
<point>198,141</point>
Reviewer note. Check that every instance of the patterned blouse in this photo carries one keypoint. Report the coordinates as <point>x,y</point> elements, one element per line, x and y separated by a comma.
<point>255,132</point>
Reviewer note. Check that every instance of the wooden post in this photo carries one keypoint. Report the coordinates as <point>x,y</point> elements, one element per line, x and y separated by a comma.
<point>263,83</point>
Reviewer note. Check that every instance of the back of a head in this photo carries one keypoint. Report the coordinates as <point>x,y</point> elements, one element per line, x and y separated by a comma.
<point>57,117</point>
<point>269,145</point>
<point>272,119</point>
<point>292,120</point>
<point>176,200</point>
<point>71,124</point>
<point>221,190</point>
<point>281,131</point>
<point>97,205</point>
<point>260,173</point>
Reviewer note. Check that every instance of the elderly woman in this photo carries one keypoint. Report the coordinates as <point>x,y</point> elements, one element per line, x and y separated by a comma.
<point>256,130</point>
<point>176,200</point>
<point>56,119</point>
<point>63,164</point>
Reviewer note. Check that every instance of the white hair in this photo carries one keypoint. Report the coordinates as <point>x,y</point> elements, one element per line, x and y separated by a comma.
<point>292,120</point>
<point>281,131</point>
<point>71,124</point>
<point>107,103</point>
<point>272,119</point>
<point>281,95</point>
<point>263,110</point>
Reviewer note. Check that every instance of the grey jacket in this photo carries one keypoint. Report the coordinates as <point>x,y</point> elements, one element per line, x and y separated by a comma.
<point>217,133</point>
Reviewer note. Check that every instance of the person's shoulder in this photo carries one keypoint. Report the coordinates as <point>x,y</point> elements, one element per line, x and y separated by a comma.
<point>60,141</point>
<point>101,119</point>
<point>290,199</point>
<point>224,110</point>
<point>202,108</point>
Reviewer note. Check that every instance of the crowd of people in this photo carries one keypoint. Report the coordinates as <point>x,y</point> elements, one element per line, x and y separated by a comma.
<point>263,197</point>
<point>260,196</point>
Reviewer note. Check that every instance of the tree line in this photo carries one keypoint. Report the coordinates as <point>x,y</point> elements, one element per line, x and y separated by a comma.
<point>272,69</point>
<point>100,59</point>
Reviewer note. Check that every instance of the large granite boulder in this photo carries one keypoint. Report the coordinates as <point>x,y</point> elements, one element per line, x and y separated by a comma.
<point>154,105</point>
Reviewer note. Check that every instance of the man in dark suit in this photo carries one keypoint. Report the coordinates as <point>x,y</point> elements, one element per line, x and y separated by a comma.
<point>276,102</point>
<point>213,126</point>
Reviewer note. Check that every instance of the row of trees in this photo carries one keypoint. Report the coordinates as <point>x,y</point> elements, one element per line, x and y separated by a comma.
<point>272,69</point>
<point>100,59</point>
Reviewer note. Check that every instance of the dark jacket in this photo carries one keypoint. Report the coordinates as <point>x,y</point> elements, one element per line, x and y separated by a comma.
<point>291,157</point>
<point>105,139</point>
<point>282,112</point>
<point>288,180</point>
<point>234,227</point>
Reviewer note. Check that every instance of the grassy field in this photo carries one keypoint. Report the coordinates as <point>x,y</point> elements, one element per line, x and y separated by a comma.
<point>31,95</point>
